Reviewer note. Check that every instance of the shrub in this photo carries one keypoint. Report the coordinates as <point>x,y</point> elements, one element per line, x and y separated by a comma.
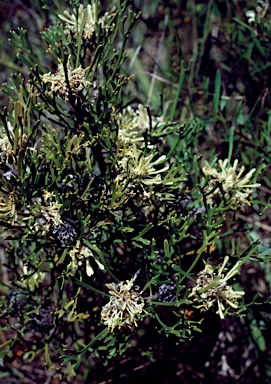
<point>114,226</point>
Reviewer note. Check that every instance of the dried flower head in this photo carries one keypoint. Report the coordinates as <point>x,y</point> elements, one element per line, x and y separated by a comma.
<point>66,233</point>
<point>81,254</point>
<point>167,292</point>
<point>87,18</point>
<point>213,287</point>
<point>233,184</point>
<point>124,305</point>
<point>42,319</point>
<point>47,214</point>
<point>76,77</point>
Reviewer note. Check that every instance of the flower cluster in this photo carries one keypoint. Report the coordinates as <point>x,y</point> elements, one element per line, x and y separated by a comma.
<point>6,147</point>
<point>80,254</point>
<point>124,305</point>
<point>47,214</point>
<point>140,168</point>
<point>76,80</point>
<point>132,124</point>
<point>8,207</point>
<point>213,287</point>
<point>33,279</point>
<point>87,19</point>
<point>260,12</point>
<point>232,184</point>
<point>132,161</point>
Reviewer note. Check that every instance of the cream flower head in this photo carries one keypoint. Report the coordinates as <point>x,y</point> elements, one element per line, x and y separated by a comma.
<point>58,83</point>
<point>34,278</point>
<point>213,287</point>
<point>8,207</point>
<point>80,254</point>
<point>140,169</point>
<point>124,305</point>
<point>86,19</point>
<point>135,157</point>
<point>132,124</point>
<point>233,183</point>
<point>6,148</point>
<point>47,214</point>
<point>257,15</point>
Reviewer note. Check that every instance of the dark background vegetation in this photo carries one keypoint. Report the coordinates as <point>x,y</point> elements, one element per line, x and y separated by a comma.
<point>206,39</point>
